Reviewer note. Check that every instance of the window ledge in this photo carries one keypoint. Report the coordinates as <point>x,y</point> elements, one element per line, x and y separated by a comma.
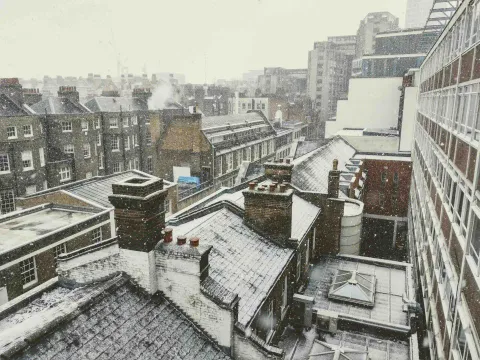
<point>28,169</point>
<point>64,180</point>
<point>28,136</point>
<point>12,137</point>
<point>116,150</point>
<point>30,284</point>
<point>5,172</point>
<point>66,131</point>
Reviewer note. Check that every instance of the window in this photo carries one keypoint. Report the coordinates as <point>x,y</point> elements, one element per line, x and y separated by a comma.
<point>68,149</point>
<point>4,164</point>
<point>115,143</point>
<point>284,296</point>
<point>66,126</point>
<point>97,235</point>
<point>135,138</point>
<point>88,175</point>
<point>29,190</point>
<point>113,122</point>
<point>65,173</point>
<point>127,143</point>
<point>126,121</point>
<point>136,164</point>
<point>117,167</point>
<point>28,270</point>
<point>41,129</point>
<point>263,106</point>
<point>381,200</point>
<point>11,132</point>
<point>100,161</point>
<point>168,207</point>
<point>299,265</point>
<point>270,314</point>
<point>86,151</point>
<point>395,180</point>
<point>134,120</point>
<point>57,250</point>
<point>229,161</point>
<point>129,164</point>
<point>149,164</point>
<point>475,242</point>
<point>84,125</point>
<point>148,138</point>
<point>99,139</point>
<point>133,141</point>
<point>256,152</point>
<point>42,156</point>
<point>27,160</point>
<point>97,123</point>
<point>27,130</point>
<point>243,106</point>
<point>7,201</point>
<point>264,149</point>
<point>384,177</point>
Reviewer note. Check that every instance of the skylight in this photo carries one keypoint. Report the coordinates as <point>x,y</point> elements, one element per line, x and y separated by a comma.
<point>352,286</point>
<point>323,351</point>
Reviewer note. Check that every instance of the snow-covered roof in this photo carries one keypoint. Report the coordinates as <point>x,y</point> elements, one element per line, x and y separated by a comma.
<point>106,320</point>
<point>56,105</point>
<point>209,122</point>
<point>20,228</point>
<point>116,104</point>
<point>241,261</point>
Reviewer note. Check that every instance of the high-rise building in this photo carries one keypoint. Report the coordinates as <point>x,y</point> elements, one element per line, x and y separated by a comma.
<point>417,13</point>
<point>329,69</point>
<point>444,217</point>
<point>370,26</point>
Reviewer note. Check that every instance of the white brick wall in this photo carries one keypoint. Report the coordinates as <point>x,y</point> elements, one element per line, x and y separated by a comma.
<point>88,272</point>
<point>179,279</point>
<point>140,266</point>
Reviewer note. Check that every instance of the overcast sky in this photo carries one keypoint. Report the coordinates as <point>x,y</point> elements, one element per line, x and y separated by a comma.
<point>75,37</point>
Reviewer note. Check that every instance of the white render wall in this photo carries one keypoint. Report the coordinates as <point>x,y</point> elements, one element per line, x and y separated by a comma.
<point>408,121</point>
<point>140,266</point>
<point>372,103</point>
<point>179,280</point>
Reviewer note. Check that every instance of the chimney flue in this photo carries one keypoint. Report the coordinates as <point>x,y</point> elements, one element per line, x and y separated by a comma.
<point>194,241</point>
<point>251,186</point>
<point>334,181</point>
<point>168,235</point>
<point>181,240</point>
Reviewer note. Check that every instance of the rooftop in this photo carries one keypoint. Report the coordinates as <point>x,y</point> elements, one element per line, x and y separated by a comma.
<point>56,105</point>
<point>232,119</point>
<point>311,170</point>
<point>106,320</point>
<point>116,104</point>
<point>19,228</point>
<point>391,285</point>
<point>241,261</point>
<point>373,144</point>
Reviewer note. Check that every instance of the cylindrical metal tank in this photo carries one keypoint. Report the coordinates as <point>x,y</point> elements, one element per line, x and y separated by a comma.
<point>350,235</point>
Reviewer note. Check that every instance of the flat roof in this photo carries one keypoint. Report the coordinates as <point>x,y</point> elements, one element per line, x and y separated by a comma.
<point>18,229</point>
<point>391,285</point>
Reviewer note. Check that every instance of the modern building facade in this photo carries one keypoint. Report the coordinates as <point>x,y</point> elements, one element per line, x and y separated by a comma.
<point>444,219</point>
<point>370,26</point>
<point>280,81</point>
<point>329,69</point>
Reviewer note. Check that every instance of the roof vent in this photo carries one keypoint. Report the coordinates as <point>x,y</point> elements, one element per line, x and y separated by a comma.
<point>352,286</point>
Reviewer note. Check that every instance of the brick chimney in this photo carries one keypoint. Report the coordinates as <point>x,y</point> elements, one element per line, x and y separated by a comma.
<point>13,89</point>
<point>69,92</point>
<point>334,180</point>
<point>139,212</point>
<point>31,96</point>
<point>268,210</point>
<point>279,171</point>
<point>142,93</point>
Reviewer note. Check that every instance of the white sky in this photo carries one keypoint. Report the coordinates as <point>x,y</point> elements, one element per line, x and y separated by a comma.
<point>75,37</point>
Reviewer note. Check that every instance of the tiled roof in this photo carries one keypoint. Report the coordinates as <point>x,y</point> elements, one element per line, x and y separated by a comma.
<point>304,147</point>
<point>116,104</point>
<point>303,212</point>
<point>56,105</point>
<point>98,190</point>
<point>232,119</point>
<point>241,261</point>
<point>116,323</point>
<point>311,171</point>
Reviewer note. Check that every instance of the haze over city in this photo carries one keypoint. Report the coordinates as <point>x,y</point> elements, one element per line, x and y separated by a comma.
<point>74,38</point>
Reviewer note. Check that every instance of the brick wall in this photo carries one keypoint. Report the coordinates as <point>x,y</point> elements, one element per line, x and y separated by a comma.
<point>57,197</point>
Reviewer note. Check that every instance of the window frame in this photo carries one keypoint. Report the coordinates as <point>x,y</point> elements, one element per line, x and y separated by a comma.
<point>15,136</point>
<point>24,270</point>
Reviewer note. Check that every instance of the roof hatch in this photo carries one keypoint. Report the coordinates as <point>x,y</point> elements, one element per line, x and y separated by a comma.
<point>352,286</point>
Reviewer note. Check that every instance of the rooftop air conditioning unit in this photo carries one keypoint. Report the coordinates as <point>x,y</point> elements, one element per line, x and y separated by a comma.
<point>327,321</point>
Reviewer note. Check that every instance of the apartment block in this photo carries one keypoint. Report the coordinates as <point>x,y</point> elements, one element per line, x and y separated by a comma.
<point>444,219</point>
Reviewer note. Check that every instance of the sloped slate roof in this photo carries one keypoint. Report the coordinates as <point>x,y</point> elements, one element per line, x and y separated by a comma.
<point>241,261</point>
<point>56,105</point>
<point>116,104</point>
<point>98,190</point>
<point>232,119</point>
<point>118,323</point>
<point>8,107</point>
<point>311,171</point>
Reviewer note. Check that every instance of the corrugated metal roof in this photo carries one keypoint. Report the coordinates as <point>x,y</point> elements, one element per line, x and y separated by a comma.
<point>98,190</point>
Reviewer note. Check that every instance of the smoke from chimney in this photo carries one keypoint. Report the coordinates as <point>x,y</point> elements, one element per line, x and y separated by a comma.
<point>160,97</point>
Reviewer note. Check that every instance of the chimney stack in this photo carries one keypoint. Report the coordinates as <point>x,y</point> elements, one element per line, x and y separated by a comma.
<point>139,213</point>
<point>69,92</point>
<point>142,93</point>
<point>13,89</point>
<point>279,172</point>
<point>334,180</point>
<point>31,96</point>
<point>269,211</point>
